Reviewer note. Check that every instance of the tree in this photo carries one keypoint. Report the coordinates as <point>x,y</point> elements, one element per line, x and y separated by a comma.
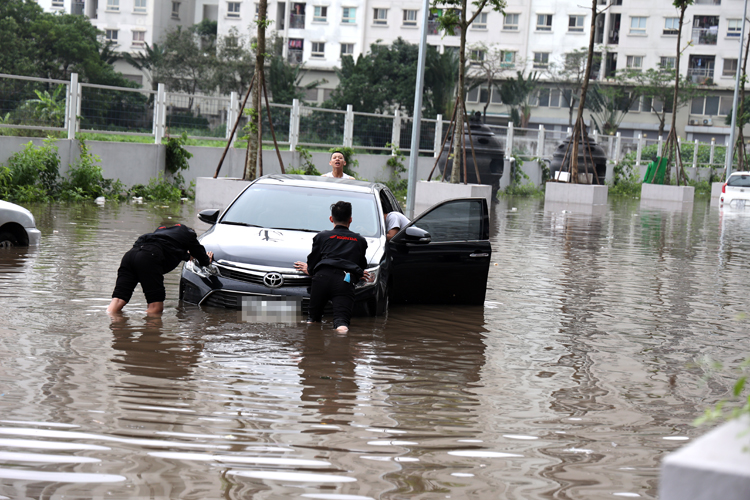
<point>452,18</point>
<point>187,64</point>
<point>148,61</point>
<point>487,64</point>
<point>568,77</point>
<point>284,81</point>
<point>610,102</point>
<point>654,84</point>
<point>517,93</point>
<point>441,71</point>
<point>234,63</point>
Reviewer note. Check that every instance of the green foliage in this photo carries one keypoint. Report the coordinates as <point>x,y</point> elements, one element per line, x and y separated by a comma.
<point>610,103</point>
<point>517,93</point>
<point>35,167</point>
<point>85,180</point>
<point>284,81</point>
<point>176,155</point>
<point>308,167</point>
<point>395,163</point>
<point>351,162</point>
<point>625,181</point>
<point>520,184</point>
<point>47,109</point>
<point>738,402</point>
<point>158,189</point>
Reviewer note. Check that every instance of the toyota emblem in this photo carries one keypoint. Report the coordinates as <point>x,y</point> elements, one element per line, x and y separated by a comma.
<point>273,280</point>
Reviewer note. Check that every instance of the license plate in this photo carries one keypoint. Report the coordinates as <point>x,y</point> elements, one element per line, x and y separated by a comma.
<point>271,309</point>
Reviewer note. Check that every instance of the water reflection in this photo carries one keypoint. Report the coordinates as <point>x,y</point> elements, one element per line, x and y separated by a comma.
<point>575,378</point>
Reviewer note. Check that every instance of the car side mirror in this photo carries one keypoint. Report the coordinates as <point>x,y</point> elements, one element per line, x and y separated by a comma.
<point>209,216</point>
<point>415,235</point>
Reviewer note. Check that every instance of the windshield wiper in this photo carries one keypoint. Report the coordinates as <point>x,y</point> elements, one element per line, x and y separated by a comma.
<point>237,223</point>
<point>294,229</point>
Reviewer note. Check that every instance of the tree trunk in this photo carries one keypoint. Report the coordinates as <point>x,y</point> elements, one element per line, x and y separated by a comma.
<point>459,130</point>
<point>672,130</point>
<point>254,144</point>
<point>578,129</point>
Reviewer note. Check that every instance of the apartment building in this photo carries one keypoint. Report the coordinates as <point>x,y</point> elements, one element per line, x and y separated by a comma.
<point>633,34</point>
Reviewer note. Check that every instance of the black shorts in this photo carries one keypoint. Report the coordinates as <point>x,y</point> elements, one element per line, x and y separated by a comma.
<point>141,265</point>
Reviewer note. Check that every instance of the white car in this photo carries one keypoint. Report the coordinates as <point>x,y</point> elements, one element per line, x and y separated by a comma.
<point>736,191</point>
<point>17,226</point>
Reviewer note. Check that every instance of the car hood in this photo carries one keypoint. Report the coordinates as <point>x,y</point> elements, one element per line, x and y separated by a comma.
<point>10,212</point>
<point>267,247</point>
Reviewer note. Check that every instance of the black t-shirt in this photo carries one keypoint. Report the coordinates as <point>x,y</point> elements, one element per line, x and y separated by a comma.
<point>339,248</point>
<point>176,244</point>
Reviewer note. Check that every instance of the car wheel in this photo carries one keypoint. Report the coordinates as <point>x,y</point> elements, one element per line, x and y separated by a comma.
<point>7,240</point>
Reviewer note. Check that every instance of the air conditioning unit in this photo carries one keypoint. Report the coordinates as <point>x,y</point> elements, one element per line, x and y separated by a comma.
<point>707,122</point>
<point>692,122</point>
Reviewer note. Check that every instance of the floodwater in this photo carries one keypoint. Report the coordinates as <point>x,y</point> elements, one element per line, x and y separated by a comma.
<point>586,366</point>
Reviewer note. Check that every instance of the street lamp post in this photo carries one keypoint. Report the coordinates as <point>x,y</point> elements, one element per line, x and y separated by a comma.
<point>417,115</point>
<point>730,149</point>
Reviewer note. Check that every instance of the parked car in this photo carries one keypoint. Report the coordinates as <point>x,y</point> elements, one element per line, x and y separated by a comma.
<point>442,256</point>
<point>17,226</point>
<point>736,191</point>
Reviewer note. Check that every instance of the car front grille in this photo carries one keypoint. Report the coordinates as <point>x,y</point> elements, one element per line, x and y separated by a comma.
<point>256,277</point>
<point>232,300</point>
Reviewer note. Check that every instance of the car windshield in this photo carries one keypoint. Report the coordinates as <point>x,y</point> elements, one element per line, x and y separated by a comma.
<point>739,180</point>
<point>301,209</point>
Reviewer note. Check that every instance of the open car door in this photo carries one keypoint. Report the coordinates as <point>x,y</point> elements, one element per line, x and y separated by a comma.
<point>443,256</point>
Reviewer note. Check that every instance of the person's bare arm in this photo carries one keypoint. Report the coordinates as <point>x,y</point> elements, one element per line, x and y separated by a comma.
<point>390,234</point>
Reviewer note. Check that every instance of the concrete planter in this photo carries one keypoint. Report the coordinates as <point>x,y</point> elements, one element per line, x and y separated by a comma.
<point>217,193</point>
<point>660,192</point>
<point>714,466</point>
<point>716,192</point>
<point>428,193</point>
<point>575,194</point>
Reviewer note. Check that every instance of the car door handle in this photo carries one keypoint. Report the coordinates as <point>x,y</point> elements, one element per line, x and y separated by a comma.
<point>479,255</point>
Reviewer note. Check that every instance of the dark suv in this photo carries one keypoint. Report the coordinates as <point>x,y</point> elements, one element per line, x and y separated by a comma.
<point>271,224</point>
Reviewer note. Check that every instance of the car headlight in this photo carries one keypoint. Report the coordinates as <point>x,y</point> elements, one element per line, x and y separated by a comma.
<point>374,274</point>
<point>203,272</point>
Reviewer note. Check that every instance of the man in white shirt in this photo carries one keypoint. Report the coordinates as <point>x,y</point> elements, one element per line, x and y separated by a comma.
<point>394,222</point>
<point>337,163</point>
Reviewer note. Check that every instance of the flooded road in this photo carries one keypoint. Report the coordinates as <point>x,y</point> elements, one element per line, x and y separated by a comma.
<point>583,369</point>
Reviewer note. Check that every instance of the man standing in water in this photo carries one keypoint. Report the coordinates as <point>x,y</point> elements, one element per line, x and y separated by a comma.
<point>337,163</point>
<point>152,256</point>
<point>336,263</point>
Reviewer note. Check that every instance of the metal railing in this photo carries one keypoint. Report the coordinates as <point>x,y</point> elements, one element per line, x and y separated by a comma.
<point>69,106</point>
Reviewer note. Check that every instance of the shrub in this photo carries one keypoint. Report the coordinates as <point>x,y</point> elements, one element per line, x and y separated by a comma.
<point>37,167</point>
<point>177,156</point>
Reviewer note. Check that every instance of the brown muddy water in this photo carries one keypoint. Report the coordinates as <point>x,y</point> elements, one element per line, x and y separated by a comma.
<point>583,369</point>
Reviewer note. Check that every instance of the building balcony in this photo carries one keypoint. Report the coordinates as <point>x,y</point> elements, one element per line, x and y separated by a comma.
<point>705,36</point>
<point>701,76</point>
<point>707,2</point>
<point>297,21</point>
<point>294,57</point>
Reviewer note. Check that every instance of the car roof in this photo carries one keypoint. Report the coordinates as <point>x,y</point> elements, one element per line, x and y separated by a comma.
<point>316,181</point>
<point>739,173</point>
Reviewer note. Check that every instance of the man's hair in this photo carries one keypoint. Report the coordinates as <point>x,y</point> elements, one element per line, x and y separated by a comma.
<point>341,211</point>
<point>337,151</point>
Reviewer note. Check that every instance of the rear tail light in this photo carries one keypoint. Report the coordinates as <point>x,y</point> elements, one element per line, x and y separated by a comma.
<point>724,188</point>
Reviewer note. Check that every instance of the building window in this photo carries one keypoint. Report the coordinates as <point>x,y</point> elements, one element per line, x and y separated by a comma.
<point>634,63</point>
<point>139,38</point>
<point>349,15</point>
<point>730,68</point>
<point>638,25</point>
<point>667,62</point>
<point>671,26</point>
<point>175,10</point>
<point>476,56</point>
<point>478,94</point>
<point>541,60</point>
<point>544,22</point>
<point>549,98</point>
<point>318,49</point>
<point>347,49</point>
<point>575,24</point>
<point>380,16</point>
<point>410,18</point>
<point>734,27</point>
<point>58,4</point>
<point>233,9</point>
<point>507,59</point>
<point>480,22</point>
<point>110,35</point>
<point>113,5</point>
<point>320,14</point>
<point>510,22</point>
<point>708,105</point>
<point>139,6</point>
<point>257,11</point>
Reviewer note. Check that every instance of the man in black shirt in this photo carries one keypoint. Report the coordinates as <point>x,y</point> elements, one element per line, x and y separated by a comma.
<point>152,256</point>
<point>336,263</point>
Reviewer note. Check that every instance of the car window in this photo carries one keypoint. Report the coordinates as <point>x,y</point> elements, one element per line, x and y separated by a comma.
<point>459,220</point>
<point>739,180</point>
<point>301,208</point>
